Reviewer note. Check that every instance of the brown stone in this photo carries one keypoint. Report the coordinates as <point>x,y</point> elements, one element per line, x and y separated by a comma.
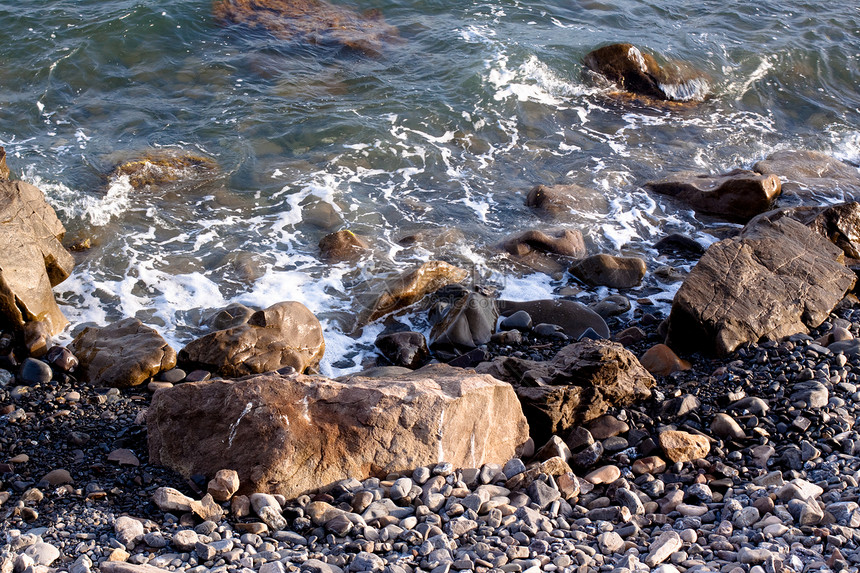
<point>737,291</point>
<point>607,426</point>
<point>574,318</point>
<point>649,465</point>
<point>4,169</point>
<point>738,195</point>
<point>579,384</point>
<point>406,349</point>
<point>32,259</point>
<point>160,167</point>
<point>224,485</point>
<point>683,446</point>
<point>660,360</point>
<point>310,21</point>
<point>639,73</point>
<point>343,245</point>
<point>547,252</point>
<point>285,334</point>
<point>123,457</point>
<point>123,354</point>
<point>560,201</point>
<point>413,286</point>
<point>294,434</point>
<point>610,271</point>
<point>810,175</point>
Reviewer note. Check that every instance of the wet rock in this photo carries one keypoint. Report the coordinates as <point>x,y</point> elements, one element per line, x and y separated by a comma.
<point>520,320</point>
<point>233,315</point>
<point>579,384</point>
<point>288,434</point>
<point>560,201</point>
<point>285,334</point>
<point>343,245</point>
<point>62,359</point>
<point>407,349</point>
<point>34,371</point>
<point>4,169</point>
<point>735,294</point>
<point>32,259</point>
<point>545,251</point>
<point>811,175</point>
<point>613,305</point>
<point>738,195</point>
<point>414,285</point>
<point>573,317</point>
<point>639,73</point>
<point>469,319</point>
<point>164,166</point>
<point>123,354</point>
<point>610,271</point>
<point>660,360</point>
<point>314,22</point>
<point>680,244</point>
<point>724,426</point>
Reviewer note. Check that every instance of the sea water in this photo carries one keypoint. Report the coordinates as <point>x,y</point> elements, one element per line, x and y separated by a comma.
<point>446,129</point>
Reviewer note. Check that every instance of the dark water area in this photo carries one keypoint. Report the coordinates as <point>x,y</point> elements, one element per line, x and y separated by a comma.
<point>447,128</point>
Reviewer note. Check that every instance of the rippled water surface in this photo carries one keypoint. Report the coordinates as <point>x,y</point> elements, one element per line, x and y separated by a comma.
<point>448,128</point>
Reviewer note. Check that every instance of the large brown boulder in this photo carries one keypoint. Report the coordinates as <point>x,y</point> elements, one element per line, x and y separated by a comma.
<point>840,224</point>
<point>285,334</point>
<point>294,434</point>
<point>32,258</point>
<point>411,287</point>
<point>343,245</point>
<point>608,270</point>
<point>573,317</point>
<point>638,72</point>
<point>311,21</point>
<point>123,354</point>
<point>546,252</point>
<point>810,176</point>
<point>582,382</point>
<point>738,195</point>
<point>4,169</point>
<point>775,279</point>
<point>560,201</point>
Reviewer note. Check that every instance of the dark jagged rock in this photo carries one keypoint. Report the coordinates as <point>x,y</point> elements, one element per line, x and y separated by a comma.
<point>234,314</point>
<point>469,320</point>
<point>407,349</point>
<point>639,73</point>
<point>738,195</point>
<point>310,21</point>
<point>681,244</point>
<point>161,167</point>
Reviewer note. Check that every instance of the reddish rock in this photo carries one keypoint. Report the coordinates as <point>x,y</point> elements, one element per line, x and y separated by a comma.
<point>294,434</point>
<point>660,360</point>
<point>684,446</point>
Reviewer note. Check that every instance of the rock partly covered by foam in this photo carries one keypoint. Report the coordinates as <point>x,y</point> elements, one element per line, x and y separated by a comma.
<point>738,195</point>
<point>560,201</point>
<point>32,258</point>
<point>293,434</point>
<point>123,354</point>
<point>737,292</point>
<point>809,175</point>
<point>310,21</point>
<point>412,286</point>
<point>639,73</point>
<point>285,334</point>
<point>161,167</point>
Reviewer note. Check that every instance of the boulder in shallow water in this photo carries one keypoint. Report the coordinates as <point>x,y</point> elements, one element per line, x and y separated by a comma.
<point>343,245</point>
<point>575,318</point>
<point>545,252</point>
<point>411,287</point>
<point>234,314</point>
<point>561,200</point>
<point>161,167</point>
<point>285,334</point>
<point>294,434</point>
<point>738,195</point>
<point>582,382</point>
<point>810,177</point>
<point>32,258</point>
<point>123,354</point>
<point>610,271</point>
<point>310,21</point>
<point>775,279</point>
<point>638,72</point>
<point>468,320</point>
<point>840,224</point>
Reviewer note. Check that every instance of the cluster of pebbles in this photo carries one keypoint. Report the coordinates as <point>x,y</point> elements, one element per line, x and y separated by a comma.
<point>768,483</point>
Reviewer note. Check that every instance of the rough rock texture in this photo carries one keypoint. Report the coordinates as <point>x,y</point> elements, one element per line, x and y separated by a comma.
<point>123,354</point>
<point>4,169</point>
<point>560,200</point>
<point>736,292</point>
<point>639,73</point>
<point>573,317</point>
<point>684,446</point>
<point>579,384</point>
<point>343,245</point>
<point>293,434</point>
<point>840,224</point>
<point>610,271</point>
<point>32,258</point>
<point>738,195</point>
<point>232,315</point>
<point>413,286</point>
<point>165,166</point>
<point>407,349</point>
<point>468,321</point>
<point>285,334</point>
<point>808,175</point>
<point>311,21</point>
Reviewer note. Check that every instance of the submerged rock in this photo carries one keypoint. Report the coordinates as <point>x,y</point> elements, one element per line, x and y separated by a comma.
<point>161,167</point>
<point>294,434</point>
<point>638,72</point>
<point>468,320</point>
<point>310,21</point>
<point>560,200</point>
<point>808,175</point>
<point>343,245</point>
<point>610,271</point>
<point>411,287</point>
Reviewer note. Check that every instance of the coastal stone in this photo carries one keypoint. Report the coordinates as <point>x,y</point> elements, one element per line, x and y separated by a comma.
<point>738,195</point>
<point>285,334</point>
<point>610,271</point>
<point>233,315</point>
<point>661,548</point>
<point>407,349</point>
<point>122,354</point>
<point>158,167</point>
<point>649,465</point>
<point>680,244</point>
<point>613,305</point>
<point>43,554</point>
<point>520,320</point>
<point>5,173</point>
<point>811,175</point>
<point>468,319</point>
<point>314,22</point>
<point>574,318</point>
<point>412,286</point>
<point>683,446</point>
<point>735,294</point>
<point>724,426</point>
<point>123,457</point>
<point>610,542</point>
<point>607,426</point>
<point>57,477</point>
<point>579,384</point>
<point>604,475</point>
<point>184,540</point>
<point>170,499</point>
<point>33,259</point>
<point>639,73</point>
<point>34,371</point>
<point>224,485</point>
<point>560,201</point>
<point>660,360</point>
<point>128,530</point>
<point>268,509</point>
<point>285,433</point>
<point>344,245</point>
